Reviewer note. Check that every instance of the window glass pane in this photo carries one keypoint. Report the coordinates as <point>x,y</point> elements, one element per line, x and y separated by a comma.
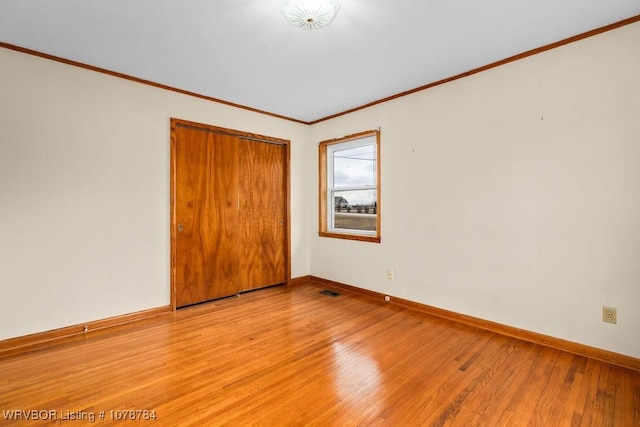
<point>354,167</point>
<point>355,210</point>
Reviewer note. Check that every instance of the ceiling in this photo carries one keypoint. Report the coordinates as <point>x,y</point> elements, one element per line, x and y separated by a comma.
<point>244,52</point>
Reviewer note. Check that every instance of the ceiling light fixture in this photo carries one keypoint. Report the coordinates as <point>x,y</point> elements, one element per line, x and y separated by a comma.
<point>310,14</point>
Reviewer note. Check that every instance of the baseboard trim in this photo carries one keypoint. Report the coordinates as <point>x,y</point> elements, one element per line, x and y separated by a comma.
<point>302,280</point>
<point>601,355</point>
<point>26,343</point>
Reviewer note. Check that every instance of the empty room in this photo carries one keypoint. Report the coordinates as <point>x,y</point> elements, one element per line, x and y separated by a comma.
<point>343,213</point>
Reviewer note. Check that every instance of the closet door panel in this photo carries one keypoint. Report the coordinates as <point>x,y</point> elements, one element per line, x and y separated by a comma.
<point>206,215</point>
<point>262,214</point>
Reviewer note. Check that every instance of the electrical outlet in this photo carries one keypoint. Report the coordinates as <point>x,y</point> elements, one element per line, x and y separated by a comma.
<point>390,273</point>
<point>609,314</point>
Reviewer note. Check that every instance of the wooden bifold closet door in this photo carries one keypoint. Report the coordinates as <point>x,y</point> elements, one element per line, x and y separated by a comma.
<point>229,212</point>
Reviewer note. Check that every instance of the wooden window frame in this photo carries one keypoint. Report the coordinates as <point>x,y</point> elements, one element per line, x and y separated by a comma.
<point>324,230</point>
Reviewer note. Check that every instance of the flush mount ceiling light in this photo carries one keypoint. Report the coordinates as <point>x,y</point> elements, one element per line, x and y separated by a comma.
<point>310,14</point>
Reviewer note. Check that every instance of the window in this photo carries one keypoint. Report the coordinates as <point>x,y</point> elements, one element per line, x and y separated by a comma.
<point>350,187</point>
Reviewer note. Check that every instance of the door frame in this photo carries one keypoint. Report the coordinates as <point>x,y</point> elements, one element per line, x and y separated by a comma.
<point>245,135</point>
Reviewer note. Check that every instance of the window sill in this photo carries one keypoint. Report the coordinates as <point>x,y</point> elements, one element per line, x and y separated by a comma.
<point>359,237</point>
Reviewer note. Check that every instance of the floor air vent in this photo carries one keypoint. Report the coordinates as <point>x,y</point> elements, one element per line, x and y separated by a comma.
<point>330,293</point>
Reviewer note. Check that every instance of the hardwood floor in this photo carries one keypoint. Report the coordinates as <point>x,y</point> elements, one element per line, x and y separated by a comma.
<point>274,357</point>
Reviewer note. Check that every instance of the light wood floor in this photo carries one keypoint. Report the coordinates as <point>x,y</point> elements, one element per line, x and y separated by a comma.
<point>274,357</point>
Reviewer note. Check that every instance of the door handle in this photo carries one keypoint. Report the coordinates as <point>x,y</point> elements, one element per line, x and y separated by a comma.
<point>180,227</point>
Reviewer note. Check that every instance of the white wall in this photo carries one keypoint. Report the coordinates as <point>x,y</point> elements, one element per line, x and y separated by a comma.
<point>512,195</point>
<point>84,191</point>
